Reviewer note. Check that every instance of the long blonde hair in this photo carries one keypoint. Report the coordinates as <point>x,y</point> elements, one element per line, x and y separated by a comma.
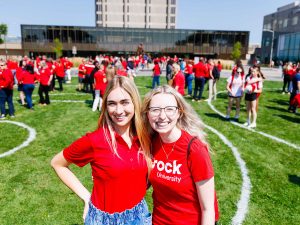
<point>188,120</point>
<point>137,126</point>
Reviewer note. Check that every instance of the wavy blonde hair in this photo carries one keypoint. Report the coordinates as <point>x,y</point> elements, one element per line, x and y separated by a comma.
<point>137,126</point>
<point>188,120</point>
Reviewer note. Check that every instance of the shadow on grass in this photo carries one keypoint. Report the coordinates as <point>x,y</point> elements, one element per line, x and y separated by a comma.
<point>277,108</point>
<point>223,95</point>
<point>89,103</point>
<point>214,115</point>
<point>290,118</point>
<point>280,101</point>
<point>294,179</point>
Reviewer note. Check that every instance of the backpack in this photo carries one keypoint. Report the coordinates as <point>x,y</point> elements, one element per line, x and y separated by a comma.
<point>216,72</point>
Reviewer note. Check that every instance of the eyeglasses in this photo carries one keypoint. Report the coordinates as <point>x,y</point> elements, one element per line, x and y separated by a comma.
<point>169,110</point>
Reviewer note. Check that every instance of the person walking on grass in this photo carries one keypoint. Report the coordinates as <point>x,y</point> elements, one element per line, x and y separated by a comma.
<point>45,78</point>
<point>182,176</point>
<point>253,86</point>
<point>100,83</point>
<point>156,75</point>
<point>235,87</point>
<point>6,90</point>
<point>118,153</point>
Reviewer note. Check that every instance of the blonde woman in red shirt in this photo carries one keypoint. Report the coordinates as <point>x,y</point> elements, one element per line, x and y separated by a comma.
<point>182,176</point>
<point>116,152</point>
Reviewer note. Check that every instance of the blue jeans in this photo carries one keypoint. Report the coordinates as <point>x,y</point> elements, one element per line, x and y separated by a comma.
<point>189,82</point>
<point>138,215</point>
<point>28,89</point>
<point>156,81</point>
<point>6,95</point>
<point>199,87</point>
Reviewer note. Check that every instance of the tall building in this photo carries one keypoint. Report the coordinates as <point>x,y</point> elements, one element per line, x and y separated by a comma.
<point>136,13</point>
<point>281,34</point>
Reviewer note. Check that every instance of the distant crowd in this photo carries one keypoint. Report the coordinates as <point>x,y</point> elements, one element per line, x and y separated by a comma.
<point>95,73</point>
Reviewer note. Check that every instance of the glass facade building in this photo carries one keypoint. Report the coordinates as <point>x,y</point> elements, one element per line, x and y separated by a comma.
<point>289,47</point>
<point>89,41</point>
<point>285,23</point>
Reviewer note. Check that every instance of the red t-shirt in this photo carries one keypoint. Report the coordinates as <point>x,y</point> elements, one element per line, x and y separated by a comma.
<point>81,70</point>
<point>189,69</point>
<point>100,81</point>
<point>119,183</point>
<point>28,78</point>
<point>59,70</point>
<point>44,76</point>
<point>200,70</point>
<point>89,68</point>
<point>156,70</point>
<point>6,79</point>
<point>179,80</point>
<point>175,196</point>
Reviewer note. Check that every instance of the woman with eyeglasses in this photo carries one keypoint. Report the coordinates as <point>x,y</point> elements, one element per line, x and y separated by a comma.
<point>235,85</point>
<point>117,152</point>
<point>182,176</point>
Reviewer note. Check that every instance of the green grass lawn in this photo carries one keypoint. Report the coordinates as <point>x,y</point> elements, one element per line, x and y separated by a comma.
<point>31,193</point>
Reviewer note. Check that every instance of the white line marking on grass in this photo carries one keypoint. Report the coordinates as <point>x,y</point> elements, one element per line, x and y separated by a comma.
<point>252,130</point>
<point>32,136</point>
<point>242,205</point>
<point>59,94</point>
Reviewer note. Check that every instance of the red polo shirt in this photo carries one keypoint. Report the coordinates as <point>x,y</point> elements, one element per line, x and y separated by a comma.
<point>179,80</point>
<point>44,76</point>
<point>119,183</point>
<point>100,81</point>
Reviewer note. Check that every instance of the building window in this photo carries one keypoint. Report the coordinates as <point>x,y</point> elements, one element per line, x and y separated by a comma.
<point>100,17</point>
<point>128,8</point>
<point>127,18</point>
<point>173,2</point>
<point>172,27</point>
<point>105,17</point>
<point>172,19</point>
<point>149,9</point>
<point>173,10</point>
<point>105,8</point>
<point>285,22</point>
<point>295,20</point>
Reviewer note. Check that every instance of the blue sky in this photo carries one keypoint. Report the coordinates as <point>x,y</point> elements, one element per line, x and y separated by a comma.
<point>246,15</point>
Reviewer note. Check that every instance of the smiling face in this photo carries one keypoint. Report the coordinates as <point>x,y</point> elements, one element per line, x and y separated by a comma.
<point>164,121</point>
<point>120,109</point>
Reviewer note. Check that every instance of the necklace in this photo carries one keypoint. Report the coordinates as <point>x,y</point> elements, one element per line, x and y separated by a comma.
<point>167,155</point>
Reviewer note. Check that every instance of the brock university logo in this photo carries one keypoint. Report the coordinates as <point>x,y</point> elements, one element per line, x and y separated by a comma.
<point>169,167</point>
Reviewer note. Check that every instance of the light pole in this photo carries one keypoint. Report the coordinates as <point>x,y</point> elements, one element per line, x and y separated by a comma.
<point>272,42</point>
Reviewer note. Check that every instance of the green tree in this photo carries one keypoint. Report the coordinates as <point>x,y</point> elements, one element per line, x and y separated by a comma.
<point>58,47</point>
<point>236,52</point>
<point>3,31</point>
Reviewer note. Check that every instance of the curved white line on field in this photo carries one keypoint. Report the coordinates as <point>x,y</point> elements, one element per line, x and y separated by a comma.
<point>242,205</point>
<point>252,130</point>
<point>32,136</point>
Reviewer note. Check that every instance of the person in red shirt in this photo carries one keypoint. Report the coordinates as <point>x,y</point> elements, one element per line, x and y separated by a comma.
<point>45,78</point>
<point>117,152</point>
<point>68,65</point>
<point>200,71</point>
<point>100,82</point>
<point>81,74</point>
<point>59,71</point>
<point>28,79</point>
<point>178,79</point>
<point>6,90</point>
<point>19,73</point>
<point>189,77</point>
<point>156,75</point>
<point>182,176</point>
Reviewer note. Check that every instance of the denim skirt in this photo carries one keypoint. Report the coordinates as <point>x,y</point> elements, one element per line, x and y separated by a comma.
<point>138,215</point>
